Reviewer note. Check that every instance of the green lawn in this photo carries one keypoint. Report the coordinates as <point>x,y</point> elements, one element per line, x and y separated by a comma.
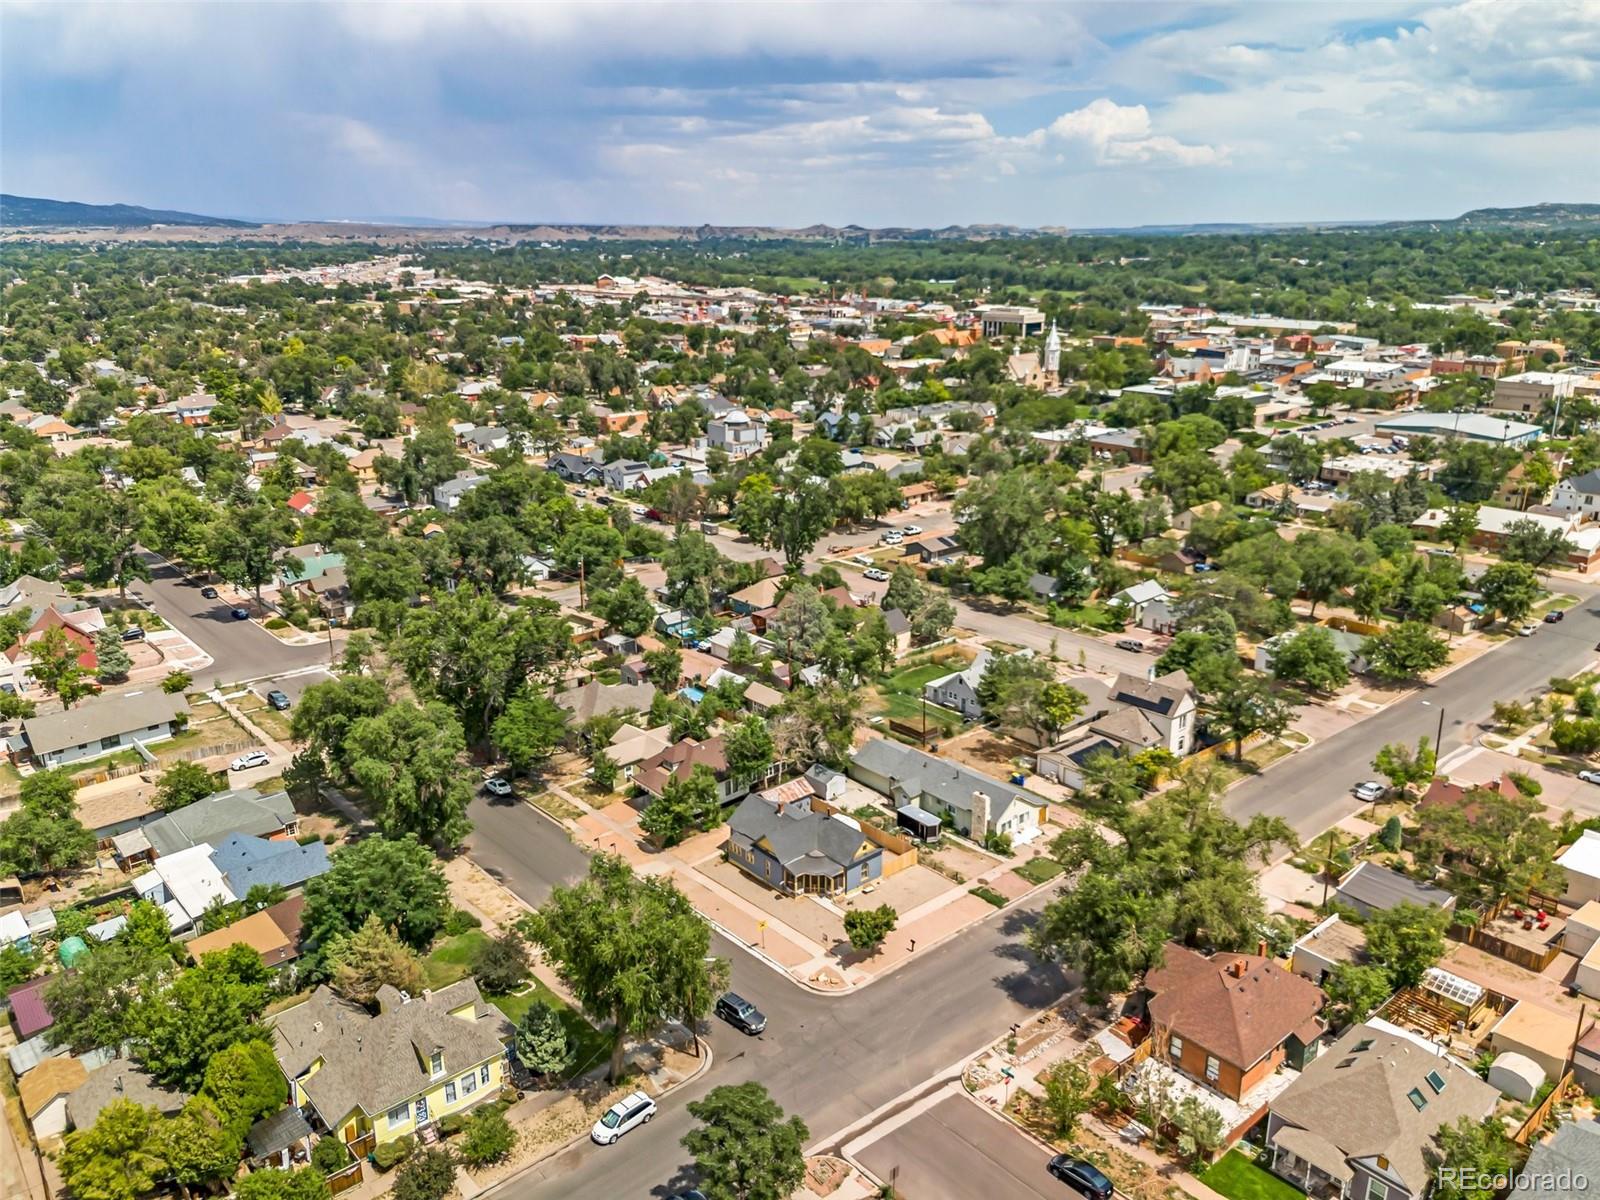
<point>910,681</point>
<point>593,1045</point>
<point>1236,1177</point>
<point>1038,870</point>
<point>901,693</point>
<point>451,959</point>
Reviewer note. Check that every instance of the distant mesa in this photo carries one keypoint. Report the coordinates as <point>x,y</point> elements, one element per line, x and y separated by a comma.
<point>17,212</point>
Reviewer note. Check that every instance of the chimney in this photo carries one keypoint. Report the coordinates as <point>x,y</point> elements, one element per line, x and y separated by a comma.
<point>1261,948</point>
<point>980,816</point>
<point>1238,967</point>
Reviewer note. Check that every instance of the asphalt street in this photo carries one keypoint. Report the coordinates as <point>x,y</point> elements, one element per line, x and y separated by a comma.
<point>240,650</point>
<point>1311,789</point>
<point>955,1151</point>
<point>830,1059</point>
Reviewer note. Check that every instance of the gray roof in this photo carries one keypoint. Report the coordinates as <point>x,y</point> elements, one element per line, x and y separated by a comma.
<point>897,621</point>
<point>1588,483</point>
<point>1357,1096</point>
<point>373,1063</point>
<point>219,816</point>
<point>798,837</point>
<point>1161,695</point>
<point>119,1079</point>
<point>126,712</point>
<point>246,861</point>
<point>1380,888</point>
<point>595,699</point>
<point>277,1132</point>
<point>920,774</point>
<point>1571,1157</point>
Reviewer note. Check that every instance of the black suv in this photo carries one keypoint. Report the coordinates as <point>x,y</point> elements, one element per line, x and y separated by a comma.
<point>1082,1177</point>
<point>741,1014</point>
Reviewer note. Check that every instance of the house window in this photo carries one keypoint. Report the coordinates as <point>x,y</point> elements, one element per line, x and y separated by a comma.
<point>483,1074</point>
<point>399,1115</point>
<point>450,1092</point>
<point>1376,1190</point>
<point>1418,1100</point>
<point>1175,1046</point>
<point>436,1063</point>
<point>108,743</point>
<point>469,1084</point>
<point>1213,1068</point>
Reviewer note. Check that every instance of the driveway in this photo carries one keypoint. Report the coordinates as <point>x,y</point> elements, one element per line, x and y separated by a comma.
<point>240,650</point>
<point>955,1151</point>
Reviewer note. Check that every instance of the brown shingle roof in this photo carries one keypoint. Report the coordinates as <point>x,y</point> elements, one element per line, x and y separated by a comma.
<point>1238,1006</point>
<point>53,1077</point>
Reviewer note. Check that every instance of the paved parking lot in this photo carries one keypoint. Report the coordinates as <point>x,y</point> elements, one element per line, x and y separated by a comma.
<point>955,1151</point>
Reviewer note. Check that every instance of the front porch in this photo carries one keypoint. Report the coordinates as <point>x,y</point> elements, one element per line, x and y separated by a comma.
<point>1311,1163</point>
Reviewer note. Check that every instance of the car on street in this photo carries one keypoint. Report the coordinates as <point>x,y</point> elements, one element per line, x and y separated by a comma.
<point>1129,644</point>
<point>911,530</point>
<point>861,559</point>
<point>1369,790</point>
<point>134,633</point>
<point>638,510</point>
<point>256,758</point>
<point>893,538</point>
<point>496,786</point>
<point>239,614</point>
<point>1551,618</point>
<point>210,593</point>
<point>740,1013</point>
<point>1527,630</point>
<point>624,1116</point>
<point>278,700</point>
<point>876,574</point>
<point>1082,1177</point>
<point>1589,776</point>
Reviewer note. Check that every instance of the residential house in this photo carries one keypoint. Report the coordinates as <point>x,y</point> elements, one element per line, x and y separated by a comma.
<point>447,495</point>
<point>184,885</point>
<point>1185,520</point>
<point>1361,1121</point>
<point>933,549</point>
<point>777,837</point>
<point>44,1092</point>
<point>1370,888</point>
<point>1581,863</point>
<point>370,1079</point>
<point>195,409</point>
<point>630,746</point>
<point>762,594</point>
<point>1136,596</point>
<point>258,931</point>
<point>1167,702</point>
<point>736,435</point>
<point>972,804</point>
<point>221,815</point>
<point>77,627</point>
<point>1331,943</point>
<point>1136,715</point>
<point>680,760</point>
<point>1579,494</point>
<point>899,626</point>
<point>624,475</point>
<point>1160,616</point>
<point>574,468</point>
<point>1564,1166</point>
<point>958,691</point>
<point>247,862</point>
<point>486,439</point>
<point>1348,644</point>
<point>117,1080</point>
<point>596,699</point>
<point>1231,1020</point>
<point>103,726</point>
<point>1123,443</point>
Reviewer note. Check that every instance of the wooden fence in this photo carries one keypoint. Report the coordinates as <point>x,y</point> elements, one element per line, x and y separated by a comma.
<point>343,1180</point>
<point>105,774</point>
<point>1526,957</point>
<point>1536,1119</point>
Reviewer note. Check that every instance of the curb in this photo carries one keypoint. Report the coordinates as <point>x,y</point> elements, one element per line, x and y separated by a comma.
<point>706,1059</point>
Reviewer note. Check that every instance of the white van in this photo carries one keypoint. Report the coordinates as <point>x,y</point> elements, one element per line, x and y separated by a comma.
<point>626,1114</point>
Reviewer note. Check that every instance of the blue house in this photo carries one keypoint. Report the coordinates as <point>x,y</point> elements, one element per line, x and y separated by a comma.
<point>778,838</point>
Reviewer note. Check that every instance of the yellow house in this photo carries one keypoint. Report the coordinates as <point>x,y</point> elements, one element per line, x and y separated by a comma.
<point>374,1078</point>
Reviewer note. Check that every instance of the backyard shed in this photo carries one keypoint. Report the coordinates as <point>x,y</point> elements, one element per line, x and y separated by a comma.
<point>1583,929</point>
<point>918,822</point>
<point>1542,1034</point>
<point>1459,996</point>
<point>1587,976</point>
<point>1516,1076</point>
<point>1581,862</point>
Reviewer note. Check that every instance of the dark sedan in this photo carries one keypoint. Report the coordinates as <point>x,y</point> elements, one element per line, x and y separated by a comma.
<point>741,1014</point>
<point>1082,1177</point>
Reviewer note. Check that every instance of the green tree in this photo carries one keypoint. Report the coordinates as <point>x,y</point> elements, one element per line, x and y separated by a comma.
<point>1459,525</point>
<point>397,881</point>
<point>685,802</point>
<point>1329,563</point>
<point>16,966</point>
<point>500,964</point>
<point>119,1157</point>
<point>603,769</point>
<point>1310,657</point>
<point>664,667</point>
<point>1110,782</point>
<point>250,543</point>
<point>748,749</point>
<point>112,662</point>
<point>542,1043</point>
<point>181,784</point>
<point>1068,1091</point>
<point>1355,992</point>
<point>200,1147</point>
<point>1406,651</point>
<point>326,711</point>
<point>1491,845</point>
<point>306,1183</point>
<point>56,667</point>
<point>203,1010</point>
<point>244,1082</point>
<point>360,962</point>
<point>1510,589</point>
<point>1404,766</point>
<point>429,1174</point>
<point>529,729</point>
<point>408,761</point>
<point>1248,707</point>
<point>33,842</point>
<point>1526,541</point>
<point>1406,940</point>
<point>148,929</point>
<point>744,1148</point>
<point>867,927</point>
<point>487,1138</point>
<point>626,608</point>
<point>94,1004</point>
<point>633,950</point>
<point>1466,1151</point>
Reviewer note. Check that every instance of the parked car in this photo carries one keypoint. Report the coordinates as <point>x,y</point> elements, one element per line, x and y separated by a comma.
<point>256,758</point>
<point>210,593</point>
<point>133,633</point>
<point>1527,630</point>
<point>1369,790</point>
<point>239,614</point>
<point>624,1116</point>
<point>911,530</point>
<point>1082,1177</point>
<point>864,560</point>
<point>1129,644</point>
<point>893,538</point>
<point>1554,616</point>
<point>740,1013</point>
<point>691,1194</point>
<point>278,700</point>
<point>1203,567</point>
<point>1589,776</point>
<point>876,574</point>
<point>496,786</point>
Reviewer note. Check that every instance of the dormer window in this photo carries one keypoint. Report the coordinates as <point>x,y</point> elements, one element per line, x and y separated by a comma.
<point>436,1064</point>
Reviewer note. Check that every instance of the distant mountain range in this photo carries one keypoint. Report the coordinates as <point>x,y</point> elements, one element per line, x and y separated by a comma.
<point>33,211</point>
<point>27,212</point>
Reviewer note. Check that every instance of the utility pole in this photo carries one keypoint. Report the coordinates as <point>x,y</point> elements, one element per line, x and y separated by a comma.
<point>1327,869</point>
<point>582,603</point>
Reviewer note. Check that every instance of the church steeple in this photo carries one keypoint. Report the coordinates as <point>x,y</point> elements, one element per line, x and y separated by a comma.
<point>1052,353</point>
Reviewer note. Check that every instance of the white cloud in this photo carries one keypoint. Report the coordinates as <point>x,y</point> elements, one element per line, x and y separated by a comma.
<point>1121,133</point>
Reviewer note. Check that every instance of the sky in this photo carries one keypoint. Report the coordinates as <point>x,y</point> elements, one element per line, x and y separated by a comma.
<point>914,113</point>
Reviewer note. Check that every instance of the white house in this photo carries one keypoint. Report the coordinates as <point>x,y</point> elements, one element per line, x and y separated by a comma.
<point>973,805</point>
<point>1581,862</point>
<point>103,726</point>
<point>1579,494</point>
<point>736,435</point>
<point>184,884</point>
<point>959,690</point>
<point>1136,596</point>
